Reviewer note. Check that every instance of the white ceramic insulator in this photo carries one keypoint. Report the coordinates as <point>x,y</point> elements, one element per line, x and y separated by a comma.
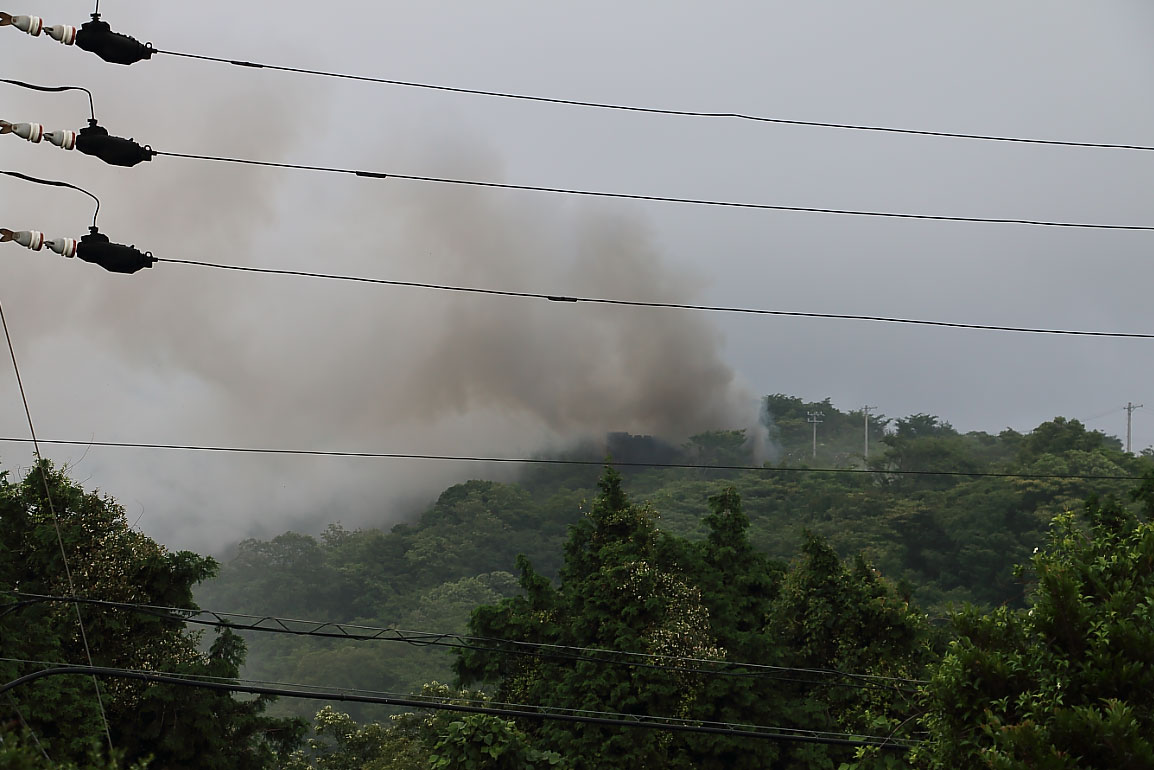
<point>30,24</point>
<point>62,32</point>
<point>29,239</point>
<point>63,246</point>
<point>63,139</point>
<point>33,132</point>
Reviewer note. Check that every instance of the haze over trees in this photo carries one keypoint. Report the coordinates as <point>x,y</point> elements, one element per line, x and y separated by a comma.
<point>174,727</point>
<point>846,588</point>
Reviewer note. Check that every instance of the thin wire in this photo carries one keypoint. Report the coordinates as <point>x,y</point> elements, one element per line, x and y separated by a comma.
<point>52,183</point>
<point>547,461</point>
<point>660,111</point>
<point>28,727</point>
<point>657,198</point>
<point>55,89</point>
<point>1096,417</point>
<point>459,641</point>
<point>55,523</point>
<point>642,721</point>
<point>639,303</point>
<point>425,698</point>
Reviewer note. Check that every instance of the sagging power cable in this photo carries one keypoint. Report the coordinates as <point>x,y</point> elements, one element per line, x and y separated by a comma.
<point>55,89</point>
<point>519,711</point>
<point>652,198</point>
<point>97,36</point>
<point>645,304</point>
<point>563,653</point>
<point>769,469</point>
<point>654,110</point>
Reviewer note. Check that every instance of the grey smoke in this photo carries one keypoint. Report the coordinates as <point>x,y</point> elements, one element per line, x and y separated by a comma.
<point>217,357</point>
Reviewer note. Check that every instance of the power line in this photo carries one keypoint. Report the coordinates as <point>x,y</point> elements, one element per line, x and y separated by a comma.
<point>655,110</point>
<point>567,653</point>
<point>607,301</point>
<point>28,728</point>
<point>654,198</point>
<point>54,183</point>
<point>422,697</point>
<point>643,304</point>
<point>639,721</point>
<point>55,521</point>
<point>554,461</point>
<point>55,89</point>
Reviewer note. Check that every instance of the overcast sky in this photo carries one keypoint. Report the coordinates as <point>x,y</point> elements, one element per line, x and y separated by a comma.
<point>187,355</point>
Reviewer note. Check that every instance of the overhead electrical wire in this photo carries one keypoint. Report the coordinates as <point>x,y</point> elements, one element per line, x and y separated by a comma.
<point>330,692</point>
<point>652,198</point>
<point>28,728</point>
<point>656,110</point>
<point>55,521</point>
<point>519,711</point>
<point>55,89</point>
<point>644,304</point>
<point>601,300</point>
<point>565,653</point>
<point>559,461</point>
<point>54,183</point>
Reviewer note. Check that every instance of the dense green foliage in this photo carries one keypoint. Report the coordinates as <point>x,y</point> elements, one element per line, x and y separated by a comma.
<point>1067,683</point>
<point>767,565</point>
<point>419,741</point>
<point>943,539</point>
<point>627,586</point>
<point>176,727</point>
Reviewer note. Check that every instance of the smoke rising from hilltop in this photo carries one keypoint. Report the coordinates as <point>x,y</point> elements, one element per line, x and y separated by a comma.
<point>227,358</point>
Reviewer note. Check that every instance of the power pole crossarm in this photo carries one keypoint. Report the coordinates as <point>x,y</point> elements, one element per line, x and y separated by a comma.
<point>1129,409</point>
<point>814,418</point>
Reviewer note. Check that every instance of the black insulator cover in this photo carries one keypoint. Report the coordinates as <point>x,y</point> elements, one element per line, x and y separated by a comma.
<point>113,257</point>
<point>96,36</point>
<point>96,141</point>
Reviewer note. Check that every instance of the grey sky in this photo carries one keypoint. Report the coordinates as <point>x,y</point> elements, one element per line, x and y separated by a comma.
<point>178,354</point>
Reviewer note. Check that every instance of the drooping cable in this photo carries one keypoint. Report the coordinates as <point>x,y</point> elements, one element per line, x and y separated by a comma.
<point>28,728</point>
<point>55,523</point>
<point>422,697</point>
<point>53,183</point>
<point>615,719</point>
<point>55,89</point>
<point>652,198</point>
<point>557,461</point>
<point>643,304</point>
<point>654,110</point>
<point>564,653</point>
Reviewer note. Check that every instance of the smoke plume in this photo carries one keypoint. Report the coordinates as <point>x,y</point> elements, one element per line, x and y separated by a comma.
<point>191,355</point>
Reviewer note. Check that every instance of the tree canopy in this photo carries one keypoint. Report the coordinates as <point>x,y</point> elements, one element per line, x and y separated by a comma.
<point>110,561</point>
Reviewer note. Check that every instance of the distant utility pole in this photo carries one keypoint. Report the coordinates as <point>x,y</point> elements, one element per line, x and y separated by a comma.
<point>816,419</point>
<point>865,410</point>
<point>1129,418</point>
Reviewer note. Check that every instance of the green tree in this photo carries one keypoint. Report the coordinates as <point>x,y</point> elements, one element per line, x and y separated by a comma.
<point>837,617</point>
<point>24,752</point>
<point>627,586</point>
<point>422,740</point>
<point>110,561</point>
<point>1065,683</point>
<point>619,590</point>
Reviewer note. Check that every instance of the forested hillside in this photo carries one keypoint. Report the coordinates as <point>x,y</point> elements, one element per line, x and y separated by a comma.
<point>711,613</point>
<point>911,508</point>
